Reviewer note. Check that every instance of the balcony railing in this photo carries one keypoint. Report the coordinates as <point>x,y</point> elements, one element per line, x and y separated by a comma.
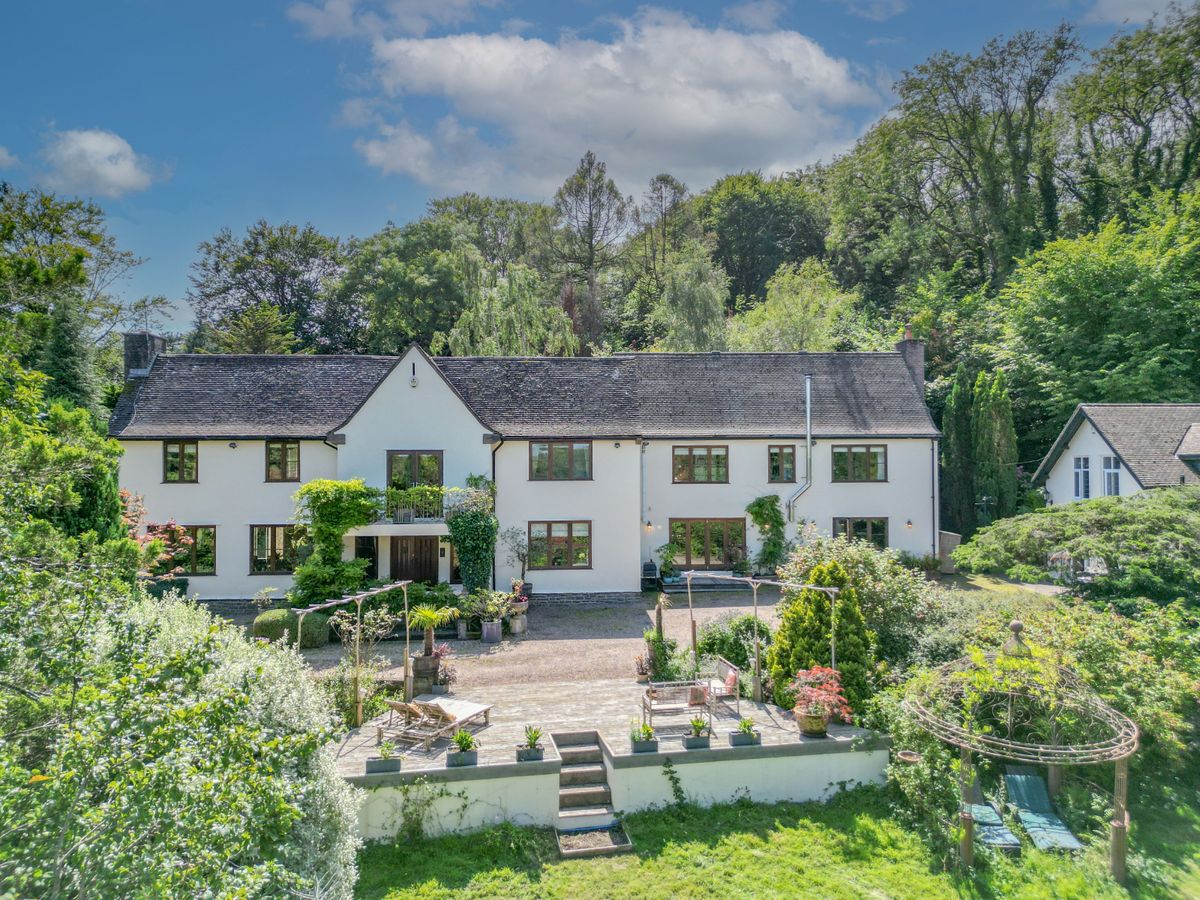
<point>421,503</point>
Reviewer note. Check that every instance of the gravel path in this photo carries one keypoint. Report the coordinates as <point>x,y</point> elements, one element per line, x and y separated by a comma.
<point>566,641</point>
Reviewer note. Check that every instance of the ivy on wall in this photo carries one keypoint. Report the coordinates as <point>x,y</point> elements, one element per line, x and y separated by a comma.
<point>328,509</point>
<point>473,530</point>
<point>767,515</point>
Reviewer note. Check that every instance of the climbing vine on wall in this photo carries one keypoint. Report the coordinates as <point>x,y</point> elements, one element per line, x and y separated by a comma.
<point>328,509</point>
<point>473,529</point>
<point>767,515</point>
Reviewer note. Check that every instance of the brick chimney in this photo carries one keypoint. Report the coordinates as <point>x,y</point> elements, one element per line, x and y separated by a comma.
<point>141,348</point>
<point>913,352</point>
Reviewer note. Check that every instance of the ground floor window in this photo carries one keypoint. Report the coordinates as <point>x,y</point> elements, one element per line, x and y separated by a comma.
<point>194,551</point>
<point>272,549</point>
<point>560,545</point>
<point>708,543</point>
<point>367,547</point>
<point>873,530</point>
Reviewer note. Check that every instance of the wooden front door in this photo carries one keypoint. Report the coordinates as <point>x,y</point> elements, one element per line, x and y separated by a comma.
<point>415,559</point>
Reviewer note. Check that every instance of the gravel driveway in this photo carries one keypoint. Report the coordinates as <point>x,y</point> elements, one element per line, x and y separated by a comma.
<point>568,642</point>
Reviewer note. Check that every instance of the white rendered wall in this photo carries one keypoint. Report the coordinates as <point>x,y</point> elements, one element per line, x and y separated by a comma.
<point>907,495</point>
<point>232,494</point>
<point>1087,441</point>
<point>610,501</point>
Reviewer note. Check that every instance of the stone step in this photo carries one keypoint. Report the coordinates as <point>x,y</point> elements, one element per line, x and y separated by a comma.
<point>584,796</point>
<point>580,774</point>
<point>575,738</point>
<point>580,754</point>
<point>586,817</point>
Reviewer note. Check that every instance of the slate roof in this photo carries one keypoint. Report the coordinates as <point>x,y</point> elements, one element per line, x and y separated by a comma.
<point>1148,437</point>
<point>626,395</point>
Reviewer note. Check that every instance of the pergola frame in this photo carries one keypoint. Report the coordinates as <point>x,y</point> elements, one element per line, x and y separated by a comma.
<point>755,584</point>
<point>357,600</point>
<point>1070,694</point>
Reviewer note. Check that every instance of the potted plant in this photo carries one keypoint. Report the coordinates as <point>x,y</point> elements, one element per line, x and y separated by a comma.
<point>517,542</point>
<point>745,735</point>
<point>643,670</point>
<point>818,697</point>
<point>386,761</point>
<point>493,607</point>
<point>466,612</point>
<point>465,752</point>
<point>697,740</point>
<point>531,750</point>
<point>667,569</point>
<point>642,738</point>
<point>738,564</point>
<point>428,617</point>
<point>446,674</point>
<point>517,623</point>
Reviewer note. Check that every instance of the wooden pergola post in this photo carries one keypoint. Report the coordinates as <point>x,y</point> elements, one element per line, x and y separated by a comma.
<point>756,681</point>
<point>1119,842</point>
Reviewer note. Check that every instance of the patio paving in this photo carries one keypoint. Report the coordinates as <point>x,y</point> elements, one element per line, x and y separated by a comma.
<point>608,706</point>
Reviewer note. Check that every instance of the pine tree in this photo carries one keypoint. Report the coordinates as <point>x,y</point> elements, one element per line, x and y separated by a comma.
<point>803,638</point>
<point>958,455</point>
<point>68,357</point>
<point>259,329</point>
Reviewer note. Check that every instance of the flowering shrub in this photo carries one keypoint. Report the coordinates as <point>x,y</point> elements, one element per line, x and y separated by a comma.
<point>819,693</point>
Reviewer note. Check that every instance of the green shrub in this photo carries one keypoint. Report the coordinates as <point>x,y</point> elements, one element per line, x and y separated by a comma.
<point>663,660</point>
<point>328,509</point>
<point>767,515</point>
<point>473,528</point>
<point>275,623</point>
<point>164,586</point>
<point>732,637</point>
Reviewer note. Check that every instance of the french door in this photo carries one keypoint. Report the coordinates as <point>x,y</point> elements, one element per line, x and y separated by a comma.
<point>407,468</point>
<point>708,543</point>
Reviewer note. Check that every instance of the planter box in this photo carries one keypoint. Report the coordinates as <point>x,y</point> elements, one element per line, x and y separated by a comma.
<point>697,742</point>
<point>461,626</point>
<point>518,624</point>
<point>492,632</point>
<point>455,758</point>
<point>650,746</point>
<point>377,765</point>
<point>439,689</point>
<point>425,666</point>
<point>741,739</point>
<point>525,753</point>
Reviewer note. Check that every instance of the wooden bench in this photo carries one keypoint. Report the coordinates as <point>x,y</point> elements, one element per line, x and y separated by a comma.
<point>692,698</point>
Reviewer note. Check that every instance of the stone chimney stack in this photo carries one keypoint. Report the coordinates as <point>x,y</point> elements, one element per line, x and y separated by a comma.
<point>913,352</point>
<point>141,348</point>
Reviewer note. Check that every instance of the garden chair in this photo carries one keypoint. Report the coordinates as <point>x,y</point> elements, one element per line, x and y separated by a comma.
<point>1027,794</point>
<point>672,697</point>
<point>725,685</point>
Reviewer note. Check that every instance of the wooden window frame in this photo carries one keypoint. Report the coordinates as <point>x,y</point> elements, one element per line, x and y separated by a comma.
<point>570,523</point>
<point>688,520</point>
<point>887,524</point>
<point>273,551</point>
<point>692,448</point>
<point>780,448</point>
<point>849,448</point>
<point>416,454</point>
<point>283,443</point>
<point>550,445</point>
<point>180,444</point>
<point>191,572</point>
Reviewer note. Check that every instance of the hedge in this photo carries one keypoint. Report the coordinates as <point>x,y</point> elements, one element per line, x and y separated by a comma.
<point>275,623</point>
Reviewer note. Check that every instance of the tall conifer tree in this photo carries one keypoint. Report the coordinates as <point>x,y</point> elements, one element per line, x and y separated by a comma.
<point>958,454</point>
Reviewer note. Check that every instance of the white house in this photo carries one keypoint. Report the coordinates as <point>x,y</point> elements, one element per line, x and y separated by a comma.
<point>1118,449</point>
<point>599,461</point>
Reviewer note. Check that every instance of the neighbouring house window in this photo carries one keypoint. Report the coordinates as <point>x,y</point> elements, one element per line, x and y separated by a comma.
<point>560,460</point>
<point>859,463</point>
<point>1083,478</point>
<point>781,462</point>
<point>407,468</point>
<point>272,549</point>
<point>560,545</point>
<point>181,461</point>
<point>700,465</point>
<point>283,460</point>
<point>198,556</point>
<point>1112,476</point>
<point>708,543</point>
<point>873,530</point>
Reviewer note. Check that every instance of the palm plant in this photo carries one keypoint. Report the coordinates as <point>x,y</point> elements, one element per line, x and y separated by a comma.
<point>429,617</point>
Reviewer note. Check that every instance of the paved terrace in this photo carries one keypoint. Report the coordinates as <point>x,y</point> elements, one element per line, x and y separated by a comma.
<point>608,706</point>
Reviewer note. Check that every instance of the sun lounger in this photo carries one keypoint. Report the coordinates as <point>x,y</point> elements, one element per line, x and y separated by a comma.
<point>1028,795</point>
<point>991,830</point>
<point>430,717</point>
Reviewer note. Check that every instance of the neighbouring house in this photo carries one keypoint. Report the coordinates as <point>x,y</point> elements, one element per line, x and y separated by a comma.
<point>1118,449</point>
<point>599,461</point>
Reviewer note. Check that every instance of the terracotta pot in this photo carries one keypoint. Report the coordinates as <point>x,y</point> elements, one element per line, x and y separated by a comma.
<point>812,725</point>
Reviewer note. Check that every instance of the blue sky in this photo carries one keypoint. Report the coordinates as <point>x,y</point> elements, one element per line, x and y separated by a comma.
<point>180,118</point>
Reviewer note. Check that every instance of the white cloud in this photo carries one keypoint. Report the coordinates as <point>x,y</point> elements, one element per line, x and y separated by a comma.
<point>757,15</point>
<point>348,18</point>
<point>662,94</point>
<point>875,10</point>
<point>97,163</point>
<point>1119,12</point>
<point>7,160</point>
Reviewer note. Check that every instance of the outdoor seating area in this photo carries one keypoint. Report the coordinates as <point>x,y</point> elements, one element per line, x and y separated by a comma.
<point>427,718</point>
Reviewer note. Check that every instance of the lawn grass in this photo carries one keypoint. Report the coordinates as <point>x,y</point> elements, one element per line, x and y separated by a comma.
<point>853,846</point>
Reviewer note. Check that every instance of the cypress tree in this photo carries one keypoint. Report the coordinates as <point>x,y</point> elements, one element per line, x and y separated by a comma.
<point>958,454</point>
<point>983,441</point>
<point>67,357</point>
<point>803,638</point>
<point>1004,433</point>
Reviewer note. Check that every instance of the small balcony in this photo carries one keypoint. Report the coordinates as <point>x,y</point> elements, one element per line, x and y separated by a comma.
<point>420,504</point>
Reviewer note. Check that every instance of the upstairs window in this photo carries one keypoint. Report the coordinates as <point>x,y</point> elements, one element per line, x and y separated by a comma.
<point>700,465</point>
<point>1112,476</point>
<point>560,460</point>
<point>272,549</point>
<point>1083,478</point>
<point>781,463</point>
<point>860,463</point>
<point>408,468</point>
<point>181,461</point>
<point>560,545</point>
<point>283,460</point>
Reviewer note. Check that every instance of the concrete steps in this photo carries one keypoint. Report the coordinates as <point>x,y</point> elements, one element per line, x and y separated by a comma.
<point>584,797</point>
